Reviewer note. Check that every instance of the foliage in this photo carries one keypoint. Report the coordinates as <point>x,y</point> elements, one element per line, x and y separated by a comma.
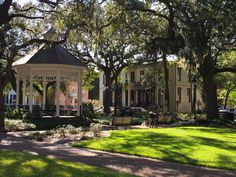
<point>16,114</point>
<point>13,125</point>
<point>37,136</point>
<point>141,114</point>
<point>200,146</point>
<point>184,116</point>
<point>96,129</point>
<point>138,121</point>
<point>22,164</point>
<point>66,130</point>
<point>36,111</point>
<point>226,82</point>
<point>88,110</point>
<point>60,131</point>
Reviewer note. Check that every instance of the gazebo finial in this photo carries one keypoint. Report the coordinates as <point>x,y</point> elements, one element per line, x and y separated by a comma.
<point>51,35</point>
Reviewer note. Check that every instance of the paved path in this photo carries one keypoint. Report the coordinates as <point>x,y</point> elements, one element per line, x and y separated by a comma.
<point>145,167</point>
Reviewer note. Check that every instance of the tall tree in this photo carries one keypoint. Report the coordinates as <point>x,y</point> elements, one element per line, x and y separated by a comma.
<point>105,42</point>
<point>162,40</point>
<point>226,82</point>
<point>209,29</point>
<point>17,35</point>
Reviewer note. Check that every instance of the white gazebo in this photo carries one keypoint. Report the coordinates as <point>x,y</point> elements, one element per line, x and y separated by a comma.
<point>49,63</point>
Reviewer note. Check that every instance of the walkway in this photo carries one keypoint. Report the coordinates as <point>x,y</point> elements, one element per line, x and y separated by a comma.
<point>140,166</point>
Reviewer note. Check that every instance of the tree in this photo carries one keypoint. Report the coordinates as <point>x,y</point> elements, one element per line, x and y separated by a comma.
<point>226,82</point>
<point>17,35</point>
<point>206,28</point>
<point>209,29</point>
<point>162,40</point>
<point>105,42</point>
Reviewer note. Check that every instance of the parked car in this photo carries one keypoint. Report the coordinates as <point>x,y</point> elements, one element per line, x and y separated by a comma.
<point>227,114</point>
<point>136,109</point>
<point>125,111</point>
<point>233,110</point>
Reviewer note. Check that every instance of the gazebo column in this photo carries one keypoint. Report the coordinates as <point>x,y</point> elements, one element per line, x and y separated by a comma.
<point>79,95</point>
<point>31,93</point>
<point>44,94</point>
<point>23,94</point>
<point>17,91</point>
<point>67,92</point>
<point>58,94</point>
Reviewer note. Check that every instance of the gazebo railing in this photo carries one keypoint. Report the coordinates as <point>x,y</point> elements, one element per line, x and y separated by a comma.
<point>50,110</point>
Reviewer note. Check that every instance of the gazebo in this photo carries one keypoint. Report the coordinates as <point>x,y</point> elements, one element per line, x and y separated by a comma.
<point>49,63</point>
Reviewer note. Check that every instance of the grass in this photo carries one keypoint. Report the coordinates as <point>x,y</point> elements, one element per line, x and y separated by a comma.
<point>201,146</point>
<point>14,164</point>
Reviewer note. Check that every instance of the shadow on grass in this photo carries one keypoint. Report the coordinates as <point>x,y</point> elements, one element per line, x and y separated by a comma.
<point>14,164</point>
<point>188,148</point>
<point>148,167</point>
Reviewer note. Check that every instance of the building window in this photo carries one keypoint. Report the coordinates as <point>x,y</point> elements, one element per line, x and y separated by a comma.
<point>179,73</point>
<point>141,76</point>
<point>179,94</point>
<point>189,94</point>
<point>132,77</point>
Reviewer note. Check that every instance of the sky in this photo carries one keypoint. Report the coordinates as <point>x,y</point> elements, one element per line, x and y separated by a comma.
<point>25,1</point>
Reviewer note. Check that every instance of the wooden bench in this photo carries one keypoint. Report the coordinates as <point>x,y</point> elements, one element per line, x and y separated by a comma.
<point>121,121</point>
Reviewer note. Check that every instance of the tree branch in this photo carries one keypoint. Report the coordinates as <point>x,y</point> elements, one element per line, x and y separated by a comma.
<point>221,70</point>
<point>24,16</point>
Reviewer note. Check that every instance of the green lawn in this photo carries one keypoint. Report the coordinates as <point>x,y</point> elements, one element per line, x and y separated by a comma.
<point>212,147</point>
<point>19,164</point>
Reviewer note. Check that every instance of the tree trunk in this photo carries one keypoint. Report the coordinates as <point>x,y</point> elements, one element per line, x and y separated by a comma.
<point>209,87</point>
<point>166,73</point>
<point>2,127</point>
<point>117,90</point>
<point>108,94</point>
<point>226,98</point>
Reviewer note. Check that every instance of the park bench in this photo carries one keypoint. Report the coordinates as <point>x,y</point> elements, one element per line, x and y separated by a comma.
<point>121,121</point>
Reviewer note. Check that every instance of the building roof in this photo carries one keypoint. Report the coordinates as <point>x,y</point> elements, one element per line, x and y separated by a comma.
<point>53,54</point>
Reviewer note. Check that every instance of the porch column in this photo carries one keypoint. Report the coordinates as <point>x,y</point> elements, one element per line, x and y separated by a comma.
<point>44,93</point>
<point>17,91</point>
<point>58,94</point>
<point>67,92</point>
<point>79,95</point>
<point>123,96</point>
<point>129,96</point>
<point>31,93</point>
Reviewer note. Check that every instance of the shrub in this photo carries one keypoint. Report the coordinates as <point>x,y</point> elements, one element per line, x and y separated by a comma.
<point>141,115</point>
<point>185,116</point>
<point>96,129</point>
<point>12,125</point>
<point>37,136</point>
<point>88,111</point>
<point>137,121</point>
<point>36,111</point>
<point>17,114</point>
<point>66,130</point>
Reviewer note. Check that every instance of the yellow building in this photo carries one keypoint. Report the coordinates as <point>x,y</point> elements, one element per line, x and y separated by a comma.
<point>134,92</point>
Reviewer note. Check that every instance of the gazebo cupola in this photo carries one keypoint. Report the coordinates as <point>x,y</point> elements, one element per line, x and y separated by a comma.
<point>49,63</point>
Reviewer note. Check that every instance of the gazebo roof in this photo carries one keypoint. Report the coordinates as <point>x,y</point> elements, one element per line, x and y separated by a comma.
<point>54,54</point>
